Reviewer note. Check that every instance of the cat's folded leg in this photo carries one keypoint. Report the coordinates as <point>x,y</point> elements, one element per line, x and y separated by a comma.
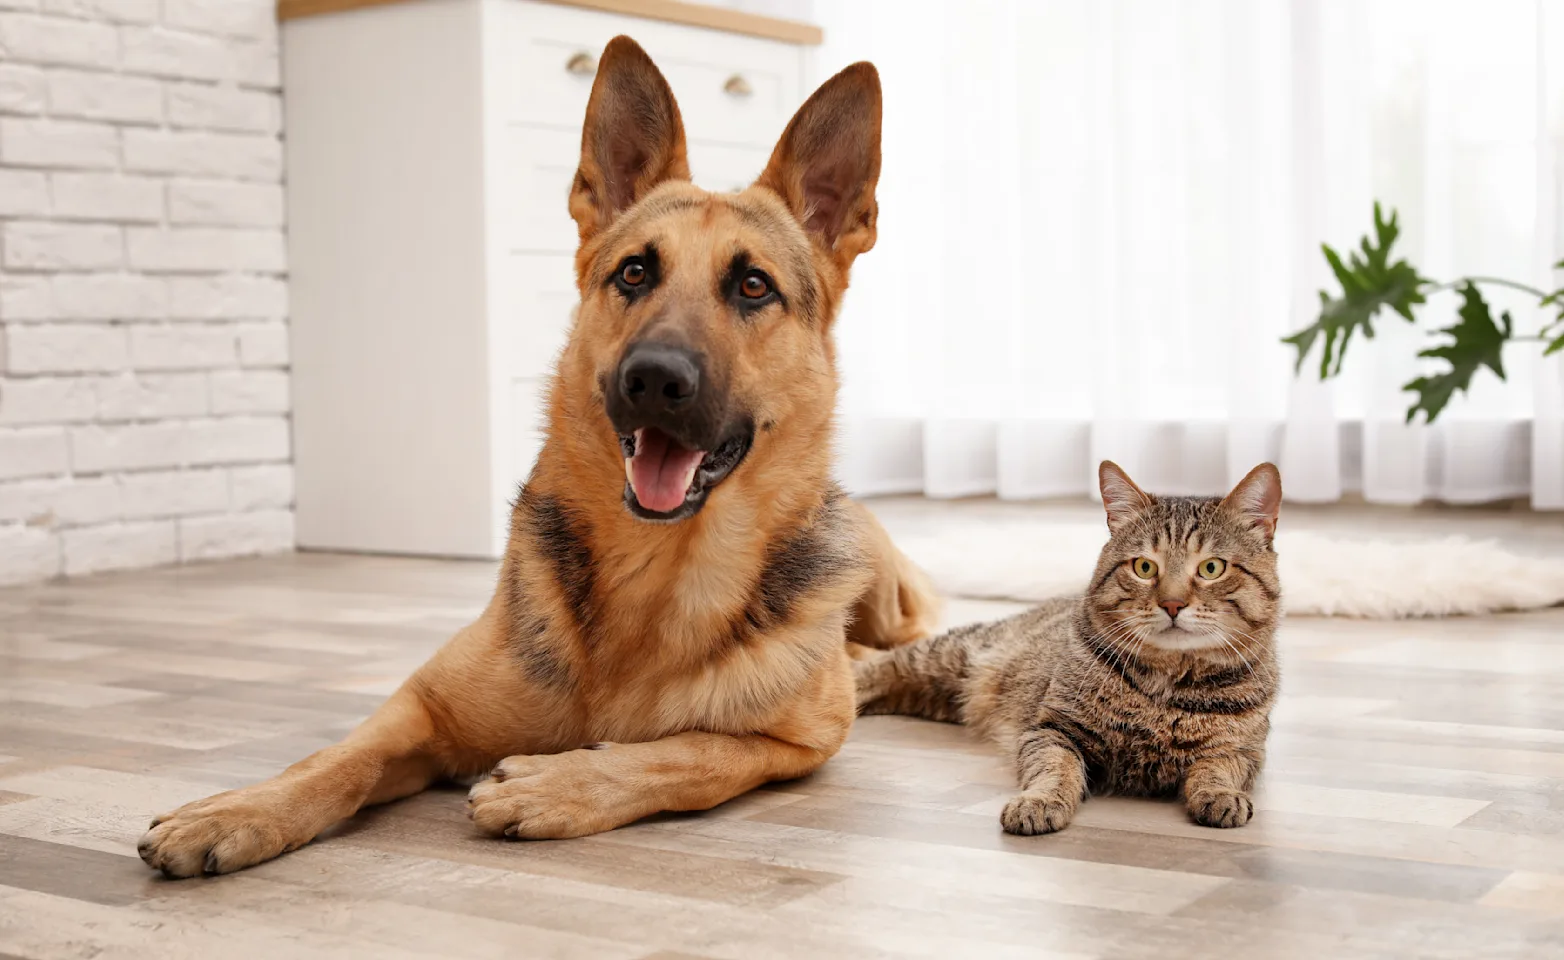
<point>1053,782</point>
<point>1216,789</point>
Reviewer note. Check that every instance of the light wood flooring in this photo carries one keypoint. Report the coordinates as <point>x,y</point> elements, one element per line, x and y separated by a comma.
<point>1413,805</point>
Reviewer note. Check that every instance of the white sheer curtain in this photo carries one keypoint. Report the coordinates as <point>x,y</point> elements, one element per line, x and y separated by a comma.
<point>1098,217</point>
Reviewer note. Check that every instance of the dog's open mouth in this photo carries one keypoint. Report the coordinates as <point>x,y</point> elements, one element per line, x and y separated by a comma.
<point>667,480</point>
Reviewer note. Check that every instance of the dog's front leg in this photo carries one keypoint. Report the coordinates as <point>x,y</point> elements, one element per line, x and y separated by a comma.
<point>589,791</point>
<point>389,756</point>
<point>460,712</point>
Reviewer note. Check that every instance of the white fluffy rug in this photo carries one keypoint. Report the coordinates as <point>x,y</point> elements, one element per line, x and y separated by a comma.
<point>1321,575</point>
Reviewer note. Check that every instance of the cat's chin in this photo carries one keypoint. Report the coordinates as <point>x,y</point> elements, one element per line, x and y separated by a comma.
<point>1184,639</point>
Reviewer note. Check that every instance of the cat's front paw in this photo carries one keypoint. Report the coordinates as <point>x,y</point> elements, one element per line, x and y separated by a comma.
<point>1221,809</point>
<point>1032,813</point>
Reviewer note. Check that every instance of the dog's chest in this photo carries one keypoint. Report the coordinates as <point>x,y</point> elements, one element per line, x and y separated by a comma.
<point>737,690</point>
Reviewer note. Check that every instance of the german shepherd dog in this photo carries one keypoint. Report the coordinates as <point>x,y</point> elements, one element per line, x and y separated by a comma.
<point>673,614</point>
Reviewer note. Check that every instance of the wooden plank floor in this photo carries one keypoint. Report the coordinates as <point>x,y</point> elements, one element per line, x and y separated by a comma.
<point>1413,805</point>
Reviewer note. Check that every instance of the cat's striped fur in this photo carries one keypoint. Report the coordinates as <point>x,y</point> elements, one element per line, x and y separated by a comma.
<point>1122,690</point>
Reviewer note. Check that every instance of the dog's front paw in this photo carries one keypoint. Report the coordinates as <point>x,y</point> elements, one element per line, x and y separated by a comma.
<point>550,797</point>
<point>1215,809</point>
<point>220,834</point>
<point>1032,813</point>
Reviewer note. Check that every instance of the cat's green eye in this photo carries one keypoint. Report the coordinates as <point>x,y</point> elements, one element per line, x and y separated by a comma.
<point>1212,567</point>
<point>1143,568</point>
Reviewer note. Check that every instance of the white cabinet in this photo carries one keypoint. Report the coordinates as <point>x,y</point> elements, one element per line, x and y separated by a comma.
<point>430,150</point>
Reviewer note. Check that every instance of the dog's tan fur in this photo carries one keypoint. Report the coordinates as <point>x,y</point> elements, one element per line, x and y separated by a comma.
<point>709,655</point>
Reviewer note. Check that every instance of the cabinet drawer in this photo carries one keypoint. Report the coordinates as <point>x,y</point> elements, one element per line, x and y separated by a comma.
<point>713,111</point>
<point>539,302</point>
<point>725,168</point>
<point>532,188</point>
<point>537,165</point>
<point>730,88</point>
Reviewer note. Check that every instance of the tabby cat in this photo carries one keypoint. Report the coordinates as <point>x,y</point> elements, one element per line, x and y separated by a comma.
<point>1159,681</point>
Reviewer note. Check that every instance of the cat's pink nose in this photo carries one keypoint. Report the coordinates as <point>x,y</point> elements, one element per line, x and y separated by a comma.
<point>1173,607</point>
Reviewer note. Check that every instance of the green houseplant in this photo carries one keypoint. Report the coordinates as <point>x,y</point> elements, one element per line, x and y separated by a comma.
<point>1371,281</point>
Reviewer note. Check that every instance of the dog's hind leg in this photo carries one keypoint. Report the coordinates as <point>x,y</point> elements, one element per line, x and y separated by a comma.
<point>900,605</point>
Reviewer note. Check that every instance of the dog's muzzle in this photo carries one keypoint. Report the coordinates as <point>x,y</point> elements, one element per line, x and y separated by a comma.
<point>677,439</point>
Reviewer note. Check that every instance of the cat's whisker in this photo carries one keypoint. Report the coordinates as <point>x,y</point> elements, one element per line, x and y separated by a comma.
<point>1259,670</point>
<point>1133,640</point>
<point>1120,652</point>
<point>1118,656</point>
<point>1122,629</point>
<point>1236,652</point>
<point>1144,635</point>
<point>1248,638</point>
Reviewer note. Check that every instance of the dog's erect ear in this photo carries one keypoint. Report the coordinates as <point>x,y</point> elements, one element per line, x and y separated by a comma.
<point>632,140</point>
<point>828,161</point>
<point>1258,498</point>
<point>1120,497</point>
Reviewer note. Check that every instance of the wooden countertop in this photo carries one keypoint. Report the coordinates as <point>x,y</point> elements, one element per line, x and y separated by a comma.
<point>672,11</point>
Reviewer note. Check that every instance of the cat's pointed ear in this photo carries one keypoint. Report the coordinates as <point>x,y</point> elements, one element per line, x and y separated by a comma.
<point>827,163</point>
<point>1120,497</point>
<point>1258,498</point>
<point>632,140</point>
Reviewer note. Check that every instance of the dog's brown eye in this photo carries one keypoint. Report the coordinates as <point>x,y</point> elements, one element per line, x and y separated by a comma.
<point>754,285</point>
<point>633,273</point>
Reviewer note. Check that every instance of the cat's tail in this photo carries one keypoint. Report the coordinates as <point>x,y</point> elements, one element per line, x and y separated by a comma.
<point>925,679</point>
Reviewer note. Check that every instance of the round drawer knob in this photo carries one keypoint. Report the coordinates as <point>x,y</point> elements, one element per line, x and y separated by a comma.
<point>581,64</point>
<point>737,86</point>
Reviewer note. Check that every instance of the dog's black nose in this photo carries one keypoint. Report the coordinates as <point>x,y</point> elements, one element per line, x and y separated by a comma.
<point>658,377</point>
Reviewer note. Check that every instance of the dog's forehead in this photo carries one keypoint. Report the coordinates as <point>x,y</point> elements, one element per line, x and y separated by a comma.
<point>680,211</point>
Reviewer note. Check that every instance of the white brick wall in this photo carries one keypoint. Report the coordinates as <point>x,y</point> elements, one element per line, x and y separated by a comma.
<point>120,546</point>
<point>200,154</point>
<point>58,143</point>
<point>32,245</point>
<point>144,385</point>
<point>22,89</point>
<point>98,196</point>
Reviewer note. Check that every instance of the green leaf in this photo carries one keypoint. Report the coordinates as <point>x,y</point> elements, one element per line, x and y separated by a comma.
<point>1476,341</point>
<point>1556,298</point>
<point>1369,281</point>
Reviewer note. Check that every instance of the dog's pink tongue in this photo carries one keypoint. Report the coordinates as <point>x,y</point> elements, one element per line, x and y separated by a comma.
<point>661,470</point>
